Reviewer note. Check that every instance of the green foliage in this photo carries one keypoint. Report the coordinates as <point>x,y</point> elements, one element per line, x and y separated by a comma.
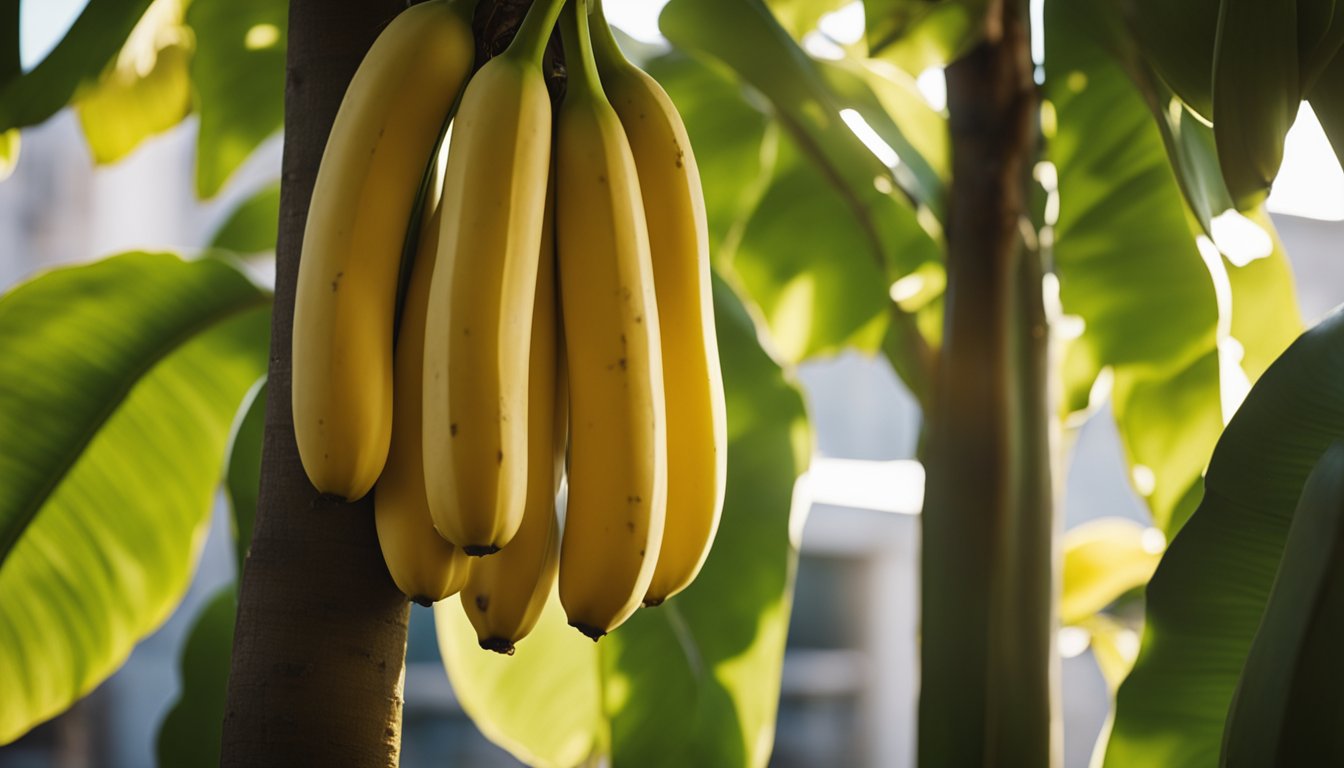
<point>1288,704</point>
<point>146,90</point>
<point>854,226</point>
<point>242,478</point>
<point>1130,266</point>
<point>705,665</point>
<point>191,731</point>
<point>122,380</point>
<point>77,60</point>
<point>253,225</point>
<point>239,75</point>
<point>917,34</point>
<point>1103,559</point>
<point>1207,597</point>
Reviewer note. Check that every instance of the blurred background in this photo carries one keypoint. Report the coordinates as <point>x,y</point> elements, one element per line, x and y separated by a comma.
<point>850,676</point>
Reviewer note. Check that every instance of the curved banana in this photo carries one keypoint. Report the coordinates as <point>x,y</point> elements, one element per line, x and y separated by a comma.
<point>1320,33</point>
<point>1256,93</point>
<point>674,206</point>
<point>506,592</point>
<point>383,136</point>
<point>618,432</point>
<point>479,324</point>
<point>424,566</point>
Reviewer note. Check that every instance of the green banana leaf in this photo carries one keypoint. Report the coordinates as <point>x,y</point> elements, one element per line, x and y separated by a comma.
<point>242,478</point>
<point>801,16</point>
<point>1288,705</point>
<point>145,91</point>
<point>916,34</point>
<point>122,378</point>
<point>734,143</point>
<point>1177,40</point>
<point>191,732</point>
<point>751,42</point>
<point>239,75</point>
<point>78,59</point>
<point>1130,266</point>
<point>808,268</point>
<point>252,226</point>
<point>705,666</point>
<point>1205,602</point>
<point>1103,559</point>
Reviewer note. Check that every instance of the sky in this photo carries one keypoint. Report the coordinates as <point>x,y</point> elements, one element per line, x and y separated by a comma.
<point>1310,183</point>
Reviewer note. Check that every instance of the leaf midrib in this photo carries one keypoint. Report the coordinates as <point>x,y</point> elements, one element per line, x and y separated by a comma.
<point>9,537</point>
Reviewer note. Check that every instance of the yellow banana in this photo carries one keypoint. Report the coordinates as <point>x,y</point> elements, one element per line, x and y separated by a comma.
<point>674,207</point>
<point>618,438</point>
<point>506,591</point>
<point>383,136</point>
<point>424,566</point>
<point>479,324</point>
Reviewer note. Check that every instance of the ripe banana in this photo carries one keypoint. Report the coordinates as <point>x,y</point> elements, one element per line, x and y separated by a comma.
<point>384,133</point>
<point>618,433</point>
<point>1256,93</point>
<point>674,207</point>
<point>506,592</point>
<point>479,325</point>
<point>424,566</point>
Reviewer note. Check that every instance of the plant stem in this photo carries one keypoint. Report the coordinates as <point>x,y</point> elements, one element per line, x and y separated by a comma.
<point>530,42</point>
<point>321,631</point>
<point>581,63</point>
<point>987,669</point>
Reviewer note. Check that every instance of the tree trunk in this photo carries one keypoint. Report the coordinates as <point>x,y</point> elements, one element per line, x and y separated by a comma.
<point>320,641</point>
<point>988,673</point>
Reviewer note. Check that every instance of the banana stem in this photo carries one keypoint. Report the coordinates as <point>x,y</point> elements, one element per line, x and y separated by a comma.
<point>607,50</point>
<point>578,43</point>
<point>530,42</point>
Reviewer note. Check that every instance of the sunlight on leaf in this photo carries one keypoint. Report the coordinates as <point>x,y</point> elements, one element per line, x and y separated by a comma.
<point>145,91</point>
<point>122,381</point>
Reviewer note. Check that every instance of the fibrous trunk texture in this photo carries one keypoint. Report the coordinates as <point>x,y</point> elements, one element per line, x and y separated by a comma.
<point>988,673</point>
<point>321,631</point>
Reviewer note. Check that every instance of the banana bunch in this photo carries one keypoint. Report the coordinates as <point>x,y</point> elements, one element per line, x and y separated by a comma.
<point>486,290</point>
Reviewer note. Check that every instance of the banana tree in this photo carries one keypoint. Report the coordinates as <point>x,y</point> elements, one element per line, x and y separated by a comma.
<point>1046,237</point>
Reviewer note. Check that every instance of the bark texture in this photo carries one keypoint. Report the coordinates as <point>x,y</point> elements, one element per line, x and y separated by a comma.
<point>321,632</point>
<point>987,670</point>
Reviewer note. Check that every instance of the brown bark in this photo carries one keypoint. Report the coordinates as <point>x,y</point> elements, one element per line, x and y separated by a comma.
<point>321,632</point>
<point>987,679</point>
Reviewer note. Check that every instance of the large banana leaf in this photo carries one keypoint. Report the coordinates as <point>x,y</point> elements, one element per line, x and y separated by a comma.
<point>239,75</point>
<point>917,34</point>
<point>78,59</point>
<point>121,381</point>
<point>888,223</point>
<point>734,143</point>
<point>1207,597</point>
<point>145,91</point>
<point>705,666</point>
<point>750,41</point>
<point>190,734</point>
<point>1157,310</point>
<point>1288,704</point>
